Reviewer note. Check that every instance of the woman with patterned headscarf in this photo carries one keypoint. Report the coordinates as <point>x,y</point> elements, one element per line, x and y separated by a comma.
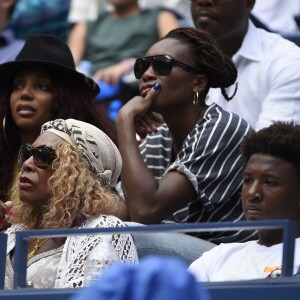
<point>66,181</point>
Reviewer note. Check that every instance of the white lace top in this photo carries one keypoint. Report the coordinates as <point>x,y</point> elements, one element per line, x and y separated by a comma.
<point>65,267</point>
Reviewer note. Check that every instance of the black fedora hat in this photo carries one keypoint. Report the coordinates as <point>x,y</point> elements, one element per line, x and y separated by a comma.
<point>53,53</point>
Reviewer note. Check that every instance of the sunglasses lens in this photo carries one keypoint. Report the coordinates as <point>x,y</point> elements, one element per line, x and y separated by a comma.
<point>140,67</point>
<point>162,65</point>
<point>25,153</point>
<point>43,156</point>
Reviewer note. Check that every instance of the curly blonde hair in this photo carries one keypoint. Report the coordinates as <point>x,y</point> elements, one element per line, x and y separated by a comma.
<point>75,195</point>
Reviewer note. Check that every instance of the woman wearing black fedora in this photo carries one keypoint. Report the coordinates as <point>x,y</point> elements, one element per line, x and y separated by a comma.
<point>41,84</point>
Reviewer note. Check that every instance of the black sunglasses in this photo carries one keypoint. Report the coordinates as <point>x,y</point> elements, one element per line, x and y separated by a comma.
<point>43,155</point>
<point>161,64</point>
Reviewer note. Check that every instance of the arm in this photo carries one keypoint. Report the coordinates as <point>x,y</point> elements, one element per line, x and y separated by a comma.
<point>113,74</point>
<point>77,41</point>
<point>148,200</point>
<point>166,22</point>
<point>203,266</point>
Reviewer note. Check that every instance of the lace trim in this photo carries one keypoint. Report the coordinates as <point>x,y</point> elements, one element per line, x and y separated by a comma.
<point>71,268</point>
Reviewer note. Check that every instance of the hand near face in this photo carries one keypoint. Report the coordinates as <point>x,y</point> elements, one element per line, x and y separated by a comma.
<point>138,110</point>
<point>147,124</point>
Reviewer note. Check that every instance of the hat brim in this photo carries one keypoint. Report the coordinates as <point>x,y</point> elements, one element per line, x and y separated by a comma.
<point>9,70</point>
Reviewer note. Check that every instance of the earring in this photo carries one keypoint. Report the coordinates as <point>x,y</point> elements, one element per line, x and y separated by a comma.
<point>4,131</point>
<point>196,98</point>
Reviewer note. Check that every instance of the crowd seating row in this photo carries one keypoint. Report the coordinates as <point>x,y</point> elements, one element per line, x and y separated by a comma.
<point>280,288</point>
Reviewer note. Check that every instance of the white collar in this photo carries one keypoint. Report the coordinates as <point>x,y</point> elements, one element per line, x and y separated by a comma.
<point>251,46</point>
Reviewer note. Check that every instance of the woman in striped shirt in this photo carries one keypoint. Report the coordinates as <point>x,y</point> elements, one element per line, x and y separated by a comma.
<point>190,168</point>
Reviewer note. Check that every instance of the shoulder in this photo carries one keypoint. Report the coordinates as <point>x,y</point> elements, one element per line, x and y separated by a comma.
<point>11,235</point>
<point>100,18</point>
<point>265,50</point>
<point>103,15</point>
<point>150,12</point>
<point>104,221</point>
<point>212,261</point>
<point>167,13</point>
<point>216,118</point>
<point>14,228</point>
<point>274,46</point>
<point>225,250</point>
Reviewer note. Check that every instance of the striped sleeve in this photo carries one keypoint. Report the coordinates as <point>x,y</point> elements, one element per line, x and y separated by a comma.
<point>210,158</point>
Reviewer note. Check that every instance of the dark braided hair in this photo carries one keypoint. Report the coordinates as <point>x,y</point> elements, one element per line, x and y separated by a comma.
<point>281,139</point>
<point>219,68</point>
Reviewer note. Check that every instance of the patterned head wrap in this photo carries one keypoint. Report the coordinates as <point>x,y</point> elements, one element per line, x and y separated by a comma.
<point>98,150</point>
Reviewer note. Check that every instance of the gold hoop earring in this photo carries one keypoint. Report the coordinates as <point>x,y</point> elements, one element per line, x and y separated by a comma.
<point>196,98</point>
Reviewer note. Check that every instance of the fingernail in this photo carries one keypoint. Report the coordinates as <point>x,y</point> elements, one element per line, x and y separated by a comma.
<point>156,86</point>
<point>10,212</point>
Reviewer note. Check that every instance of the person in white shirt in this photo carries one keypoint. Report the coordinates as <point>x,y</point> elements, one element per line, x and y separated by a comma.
<point>88,10</point>
<point>81,11</point>
<point>271,190</point>
<point>268,65</point>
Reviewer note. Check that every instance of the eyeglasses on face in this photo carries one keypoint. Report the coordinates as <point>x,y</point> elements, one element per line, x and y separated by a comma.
<point>43,155</point>
<point>161,64</point>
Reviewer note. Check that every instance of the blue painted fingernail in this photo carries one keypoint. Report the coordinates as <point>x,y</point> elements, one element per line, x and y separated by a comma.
<point>156,86</point>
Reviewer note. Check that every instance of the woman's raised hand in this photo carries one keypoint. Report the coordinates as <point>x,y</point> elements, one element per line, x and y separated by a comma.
<point>5,209</point>
<point>148,123</point>
<point>138,109</point>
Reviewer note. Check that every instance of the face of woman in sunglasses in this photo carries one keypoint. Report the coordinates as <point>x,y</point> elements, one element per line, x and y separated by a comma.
<point>33,181</point>
<point>176,86</point>
<point>31,99</point>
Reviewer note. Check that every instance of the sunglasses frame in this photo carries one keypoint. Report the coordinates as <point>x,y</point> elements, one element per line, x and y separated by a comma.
<point>35,152</point>
<point>150,60</point>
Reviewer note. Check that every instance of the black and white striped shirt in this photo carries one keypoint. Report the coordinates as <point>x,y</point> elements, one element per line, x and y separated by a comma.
<point>210,158</point>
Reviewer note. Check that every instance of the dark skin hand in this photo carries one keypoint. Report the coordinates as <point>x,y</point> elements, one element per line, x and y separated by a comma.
<point>148,123</point>
<point>150,201</point>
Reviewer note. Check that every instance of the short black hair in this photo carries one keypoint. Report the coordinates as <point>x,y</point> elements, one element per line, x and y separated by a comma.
<point>281,139</point>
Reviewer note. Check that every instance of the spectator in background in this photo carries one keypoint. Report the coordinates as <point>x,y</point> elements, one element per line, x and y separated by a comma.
<point>82,11</point>
<point>278,15</point>
<point>271,190</point>
<point>268,65</point>
<point>41,16</point>
<point>113,41</point>
<point>9,45</point>
<point>41,84</point>
<point>89,9</point>
<point>179,7</point>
